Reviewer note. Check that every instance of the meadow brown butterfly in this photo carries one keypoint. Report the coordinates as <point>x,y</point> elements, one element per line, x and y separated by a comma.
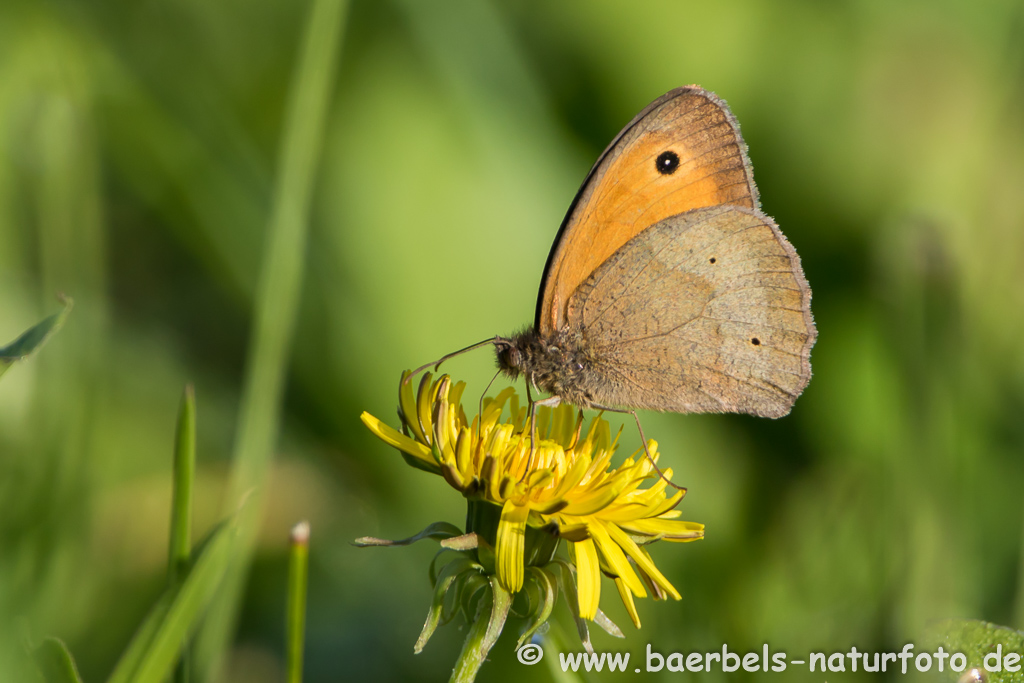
<point>667,288</point>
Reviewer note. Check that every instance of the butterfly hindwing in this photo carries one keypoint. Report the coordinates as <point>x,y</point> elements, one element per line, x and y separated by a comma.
<point>707,311</point>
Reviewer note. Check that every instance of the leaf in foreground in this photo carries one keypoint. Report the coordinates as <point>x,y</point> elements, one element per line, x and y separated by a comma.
<point>157,644</point>
<point>23,346</point>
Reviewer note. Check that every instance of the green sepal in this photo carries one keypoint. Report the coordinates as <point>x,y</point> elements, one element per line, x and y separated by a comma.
<point>464,542</point>
<point>547,586</point>
<point>437,530</point>
<point>609,626</point>
<point>449,573</point>
<point>472,590</point>
<point>568,584</point>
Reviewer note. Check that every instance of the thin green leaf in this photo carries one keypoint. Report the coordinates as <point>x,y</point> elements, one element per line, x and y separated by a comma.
<point>184,474</point>
<point>55,662</point>
<point>35,337</point>
<point>180,550</point>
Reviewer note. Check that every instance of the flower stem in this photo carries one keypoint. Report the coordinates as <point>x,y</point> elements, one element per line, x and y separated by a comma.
<point>483,633</point>
<point>473,652</point>
<point>298,576</point>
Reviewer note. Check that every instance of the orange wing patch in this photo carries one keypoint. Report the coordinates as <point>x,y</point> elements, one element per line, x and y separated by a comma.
<point>684,151</point>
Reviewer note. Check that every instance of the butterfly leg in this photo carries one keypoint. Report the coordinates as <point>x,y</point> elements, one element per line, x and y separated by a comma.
<point>480,412</point>
<point>643,439</point>
<point>550,402</point>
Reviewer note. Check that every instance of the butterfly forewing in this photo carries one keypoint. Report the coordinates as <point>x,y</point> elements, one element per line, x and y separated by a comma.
<point>707,311</point>
<point>684,151</point>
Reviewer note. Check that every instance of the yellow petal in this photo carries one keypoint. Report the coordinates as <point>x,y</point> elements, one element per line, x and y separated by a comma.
<point>588,578</point>
<point>642,559</point>
<point>627,600</point>
<point>455,395</point>
<point>511,537</point>
<point>424,400</point>
<point>573,532</point>
<point>462,453</point>
<point>615,558</point>
<point>593,500</point>
<point>408,409</point>
<point>398,440</point>
<point>669,529</point>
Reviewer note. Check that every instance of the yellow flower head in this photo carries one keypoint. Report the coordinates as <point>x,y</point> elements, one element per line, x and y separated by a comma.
<point>564,484</point>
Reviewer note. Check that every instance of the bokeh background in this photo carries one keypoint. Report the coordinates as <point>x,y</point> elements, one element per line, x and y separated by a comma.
<point>139,142</point>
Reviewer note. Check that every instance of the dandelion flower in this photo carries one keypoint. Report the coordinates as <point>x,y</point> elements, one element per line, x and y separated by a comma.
<point>525,498</point>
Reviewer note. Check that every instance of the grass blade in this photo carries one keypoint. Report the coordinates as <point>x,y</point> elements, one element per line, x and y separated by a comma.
<point>277,299</point>
<point>180,550</point>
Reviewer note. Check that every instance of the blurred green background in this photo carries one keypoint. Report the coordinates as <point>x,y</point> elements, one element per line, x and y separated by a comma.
<point>139,143</point>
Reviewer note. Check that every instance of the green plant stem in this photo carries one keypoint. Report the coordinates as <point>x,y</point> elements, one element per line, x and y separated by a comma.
<point>276,302</point>
<point>473,652</point>
<point>298,577</point>
<point>180,551</point>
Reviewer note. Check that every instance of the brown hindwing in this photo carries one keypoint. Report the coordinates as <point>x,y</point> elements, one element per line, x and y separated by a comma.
<point>708,311</point>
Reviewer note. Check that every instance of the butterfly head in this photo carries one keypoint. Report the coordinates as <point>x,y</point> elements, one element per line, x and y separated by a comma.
<point>512,353</point>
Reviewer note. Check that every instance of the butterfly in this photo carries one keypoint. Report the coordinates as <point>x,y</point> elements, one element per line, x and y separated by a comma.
<point>667,288</point>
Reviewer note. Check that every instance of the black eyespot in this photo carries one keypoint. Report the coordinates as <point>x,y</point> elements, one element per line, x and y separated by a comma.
<point>755,341</point>
<point>667,163</point>
<point>712,259</point>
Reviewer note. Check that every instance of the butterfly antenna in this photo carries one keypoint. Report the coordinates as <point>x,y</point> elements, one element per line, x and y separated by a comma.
<point>437,363</point>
